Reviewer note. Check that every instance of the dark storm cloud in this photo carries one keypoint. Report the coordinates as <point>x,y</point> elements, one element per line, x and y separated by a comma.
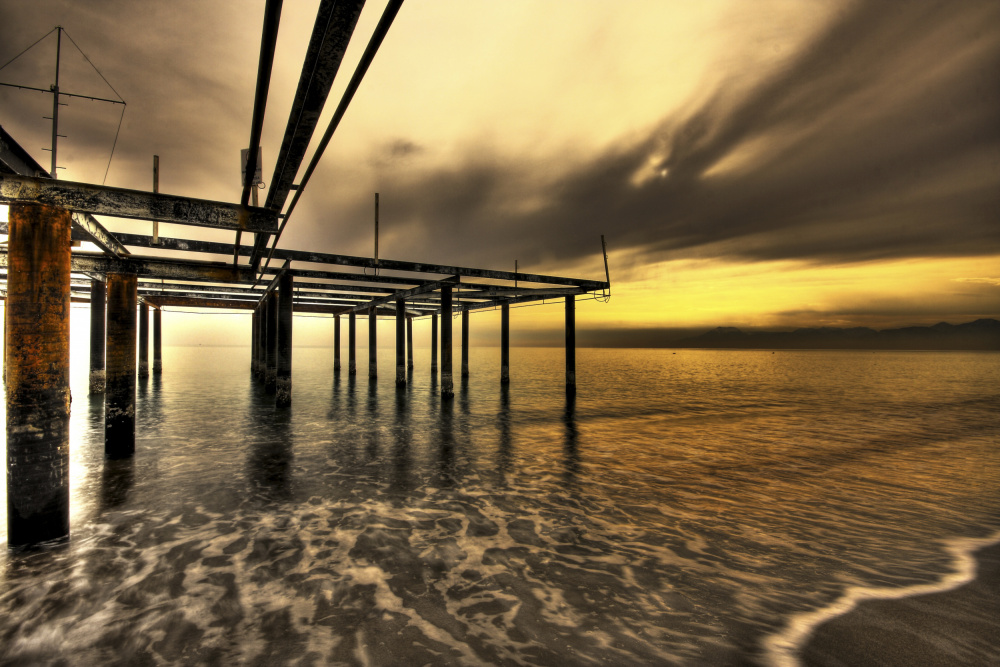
<point>880,140</point>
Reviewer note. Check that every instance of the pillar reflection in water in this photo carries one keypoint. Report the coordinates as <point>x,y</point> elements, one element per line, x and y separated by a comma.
<point>117,481</point>
<point>505,447</point>
<point>400,481</point>
<point>571,462</point>
<point>269,458</point>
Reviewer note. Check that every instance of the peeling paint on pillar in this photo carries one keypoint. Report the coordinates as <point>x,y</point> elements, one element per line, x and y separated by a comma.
<point>271,364</point>
<point>336,343</point>
<point>119,401</point>
<point>372,344</point>
<point>505,343</point>
<point>157,342</point>
<point>352,367</point>
<point>143,340</point>
<point>283,378</point>
<point>571,343</point>
<point>447,385</point>
<point>400,343</point>
<point>98,296</point>
<point>37,323</point>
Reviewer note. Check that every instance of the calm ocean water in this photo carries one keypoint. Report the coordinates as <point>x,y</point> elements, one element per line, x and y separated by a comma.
<point>690,507</point>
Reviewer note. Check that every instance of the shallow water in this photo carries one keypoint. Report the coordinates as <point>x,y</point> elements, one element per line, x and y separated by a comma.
<point>682,509</point>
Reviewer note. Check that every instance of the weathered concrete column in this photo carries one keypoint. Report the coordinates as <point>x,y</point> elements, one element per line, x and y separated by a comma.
<point>400,342</point>
<point>465,342</point>
<point>253,344</point>
<point>447,386</point>
<point>271,367</point>
<point>571,342</point>
<point>409,342</point>
<point>119,401</point>
<point>372,344</point>
<point>38,396</point>
<point>434,343</point>
<point>144,340</point>
<point>352,366</point>
<point>157,342</point>
<point>336,343</point>
<point>504,343</point>
<point>283,379</point>
<point>98,295</point>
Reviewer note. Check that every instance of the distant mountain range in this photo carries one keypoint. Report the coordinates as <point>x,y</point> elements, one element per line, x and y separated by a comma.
<point>982,334</point>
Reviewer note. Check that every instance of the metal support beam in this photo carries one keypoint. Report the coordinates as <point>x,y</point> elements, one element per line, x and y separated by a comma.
<point>447,385</point>
<point>405,294</point>
<point>157,342</point>
<point>143,340</point>
<point>37,366</point>
<point>372,344</point>
<point>465,342</point>
<point>400,343</point>
<point>352,367</point>
<point>336,344</point>
<point>98,296</point>
<point>409,342</point>
<point>119,401</point>
<point>98,235</point>
<point>505,343</point>
<point>571,343</point>
<point>434,342</point>
<point>283,378</point>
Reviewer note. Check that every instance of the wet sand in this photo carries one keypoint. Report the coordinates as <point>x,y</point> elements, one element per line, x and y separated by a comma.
<point>956,627</point>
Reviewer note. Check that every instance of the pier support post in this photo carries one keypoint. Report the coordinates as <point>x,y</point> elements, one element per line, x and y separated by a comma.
<point>271,356</point>
<point>505,343</point>
<point>157,341</point>
<point>571,343</point>
<point>447,386</point>
<point>38,396</point>
<point>400,343</point>
<point>98,295</point>
<point>261,341</point>
<point>143,340</point>
<point>283,378</point>
<point>372,344</point>
<point>465,342</point>
<point>434,343</point>
<point>409,342</point>
<point>253,344</point>
<point>336,344</point>
<point>352,339</point>
<point>119,401</point>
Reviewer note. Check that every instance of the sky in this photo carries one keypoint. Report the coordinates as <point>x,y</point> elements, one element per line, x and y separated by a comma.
<point>769,164</point>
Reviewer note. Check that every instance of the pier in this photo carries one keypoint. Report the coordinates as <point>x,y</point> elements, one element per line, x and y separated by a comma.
<point>45,270</point>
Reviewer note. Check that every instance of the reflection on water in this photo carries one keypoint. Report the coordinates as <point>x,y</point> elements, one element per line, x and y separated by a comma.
<point>678,508</point>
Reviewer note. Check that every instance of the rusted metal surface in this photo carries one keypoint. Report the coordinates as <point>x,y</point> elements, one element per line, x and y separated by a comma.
<point>352,368</point>
<point>37,368</point>
<point>505,343</point>
<point>99,236</point>
<point>157,341</point>
<point>136,204</point>
<point>465,342</point>
<point>400,343</point>
<point>571,343</point>
<point>271,336</point>
<point>372,344</point>
<point>143,340</point>
<point>336,343</point>
<point>447,385</point>
<point>98,296</point>
<point>283,377</point>
<point>119,401</point>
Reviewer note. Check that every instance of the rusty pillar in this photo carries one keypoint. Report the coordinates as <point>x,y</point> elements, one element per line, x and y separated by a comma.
<point>336,343</point>
<point>283,379</point>
<point>409,342</point>
<point>157,341</point>
<point>571,343</point>
<point>400,343</point>
<point>98,295</point>
<point>352,367</point>
<point>447,386</point>
<point>271,367</point>
<point>465,342</point>
<point>434,343</point>
<point>372,344</point>
<point>143,340</point>
<point>119,401</point>
<point>38,397</point>
<point>505,343</point>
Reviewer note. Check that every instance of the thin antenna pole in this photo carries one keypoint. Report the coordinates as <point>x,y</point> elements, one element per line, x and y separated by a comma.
<point>515,273</point>
<point>55,103</point>
<point>376,230</point>
<point>156,188</point>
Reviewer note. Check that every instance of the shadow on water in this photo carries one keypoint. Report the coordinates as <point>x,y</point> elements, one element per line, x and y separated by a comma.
<point>117,481</point>
<point>400,482</point>
<point>270,452</point>
<point>504,423</point>
<point>446,442</point>
<point>571,460</point>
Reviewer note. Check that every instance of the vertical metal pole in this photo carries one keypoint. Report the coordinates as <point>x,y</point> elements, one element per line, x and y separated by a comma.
<point>505,343</point>
<point>258,341</point>
<point>372,344</point>
<point>571,342</point>
<point>157,342</point>
<point>336,343</point>
<point>253,344</point>
<point>98,295</point>
<point>55,105</point>
<point>465,342</point>
<point>376,230</point>
<point>409,342</point>
<point>38,396</point>
<point>352,366</point>
<point>156,188</point>
<point>143,340</point>
<point>447,386</point>
<point>400,342</point>
<point>271,369</point>
<point>283,380</point>
<point>119,401</point>
<point>434,343</point>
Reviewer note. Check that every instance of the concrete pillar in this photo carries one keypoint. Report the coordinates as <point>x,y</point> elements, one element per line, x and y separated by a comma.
<point>504,343</point>
<point>465,342</point>
<point>400,343</point>
<point>409,342</point>
<point>144,340</point>
<point>434,343</point>
<point>38,397</point>
<point>571,342</point>
<point>336,343</point>
<point>283,378</point>
<point>119,401</point>
<point>447,386</point>
<point>157,342</point>
<point>372,344</point>
<point>98,296</point>
<point>271,364</point>
<point>352,366</point>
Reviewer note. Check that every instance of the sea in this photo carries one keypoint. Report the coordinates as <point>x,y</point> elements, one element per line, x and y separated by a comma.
<point>683,507</point>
